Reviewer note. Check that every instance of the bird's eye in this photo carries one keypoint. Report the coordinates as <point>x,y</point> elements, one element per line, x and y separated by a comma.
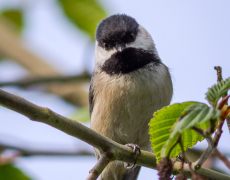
<point>109,45</point>
<point>106,45</point>
<point>132,35</point>
<point>129,37</point>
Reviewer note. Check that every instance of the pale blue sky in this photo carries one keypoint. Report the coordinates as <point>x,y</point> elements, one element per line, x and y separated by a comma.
<point>191,37</point>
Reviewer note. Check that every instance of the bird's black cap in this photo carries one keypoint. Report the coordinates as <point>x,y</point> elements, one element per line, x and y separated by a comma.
<point>116,30</point>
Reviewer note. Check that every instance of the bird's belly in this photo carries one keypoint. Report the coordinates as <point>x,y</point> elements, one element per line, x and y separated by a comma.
<point>124,106</point>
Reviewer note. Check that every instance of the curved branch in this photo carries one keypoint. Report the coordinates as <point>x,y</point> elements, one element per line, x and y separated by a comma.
<point>73,128</point>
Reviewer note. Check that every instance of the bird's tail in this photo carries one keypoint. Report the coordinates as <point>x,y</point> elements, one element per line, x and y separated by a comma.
<point>132,174</point>
<point>116,171</point>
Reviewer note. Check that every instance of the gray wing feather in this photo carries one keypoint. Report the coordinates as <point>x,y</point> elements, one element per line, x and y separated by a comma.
<point>91,97</point>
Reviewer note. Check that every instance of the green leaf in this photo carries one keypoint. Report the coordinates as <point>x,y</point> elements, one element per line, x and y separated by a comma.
<point>197,115</point>
<point>81,114</point>
<point>9,171</point>
<point>14,17</point>
<point>85,14</point>
<point>217,91</point>
<point>162,123</point>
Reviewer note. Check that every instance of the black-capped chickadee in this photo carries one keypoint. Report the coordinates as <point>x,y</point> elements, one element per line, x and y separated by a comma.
<point>129,83</point>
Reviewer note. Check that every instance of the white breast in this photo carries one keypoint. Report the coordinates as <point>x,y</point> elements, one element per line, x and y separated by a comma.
<point>124,104</point>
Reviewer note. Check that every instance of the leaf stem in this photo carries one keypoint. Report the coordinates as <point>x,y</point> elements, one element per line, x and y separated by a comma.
<point>208,151</point>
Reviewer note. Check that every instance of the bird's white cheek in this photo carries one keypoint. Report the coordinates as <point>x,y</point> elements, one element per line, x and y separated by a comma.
<point>101,55</point>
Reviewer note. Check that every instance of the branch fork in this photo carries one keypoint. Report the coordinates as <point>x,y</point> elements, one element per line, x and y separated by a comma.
<point>102,162</point>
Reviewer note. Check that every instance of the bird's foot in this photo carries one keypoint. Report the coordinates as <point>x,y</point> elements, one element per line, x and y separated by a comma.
<point>137,151</point>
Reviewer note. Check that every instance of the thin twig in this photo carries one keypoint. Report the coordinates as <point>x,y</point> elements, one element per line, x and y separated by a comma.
<point>208,151</point>
<point>211,174</point>
<point>220,78</point>
<point>25,150</point>
<point>228,123</point>
<point>197,152</point>
<point>73,128</point>
<point>184,158</point>
<point>219,73</point>
<point>222,157</point>
<point>47,80</point>
<point>219,130</point>
<point>99,167</point>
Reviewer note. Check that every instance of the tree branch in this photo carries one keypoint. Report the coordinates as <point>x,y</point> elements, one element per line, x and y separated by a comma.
<point>23,150</point>
<point>99,167</point>
<point>211,174</point>
<point>73,128</point>
<point>47,80</point>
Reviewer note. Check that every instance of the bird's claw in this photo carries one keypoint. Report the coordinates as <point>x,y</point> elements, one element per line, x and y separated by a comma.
<point>137,151</point>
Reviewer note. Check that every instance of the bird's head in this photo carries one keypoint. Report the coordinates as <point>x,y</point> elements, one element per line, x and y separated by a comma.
<point>118,33</point>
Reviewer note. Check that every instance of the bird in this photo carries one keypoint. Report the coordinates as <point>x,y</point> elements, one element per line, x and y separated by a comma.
<point>128,84</point>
